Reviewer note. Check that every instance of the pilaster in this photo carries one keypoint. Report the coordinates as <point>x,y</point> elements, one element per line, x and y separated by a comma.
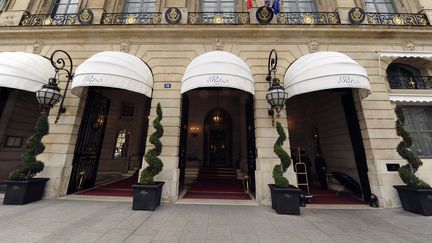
<point>426,8</point>
<point>343,7</point>
<point>14,15</point>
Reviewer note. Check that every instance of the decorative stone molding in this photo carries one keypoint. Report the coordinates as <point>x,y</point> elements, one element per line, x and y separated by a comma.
<point>218,45</point>
<point>38,46</point>
<point>125,46</point>
<point>408,45</point>
<point>313,46</point>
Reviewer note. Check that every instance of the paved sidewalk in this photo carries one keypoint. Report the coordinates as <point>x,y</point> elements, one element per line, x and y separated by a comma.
<point>90,221</point>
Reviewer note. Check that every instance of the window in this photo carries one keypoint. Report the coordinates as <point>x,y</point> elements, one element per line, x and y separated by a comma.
<point>419,123</point>
<point>121,145</point>
<point>218,5</point>
<point>65,7</point>
<point>299,6</point>
<point>402,76</point>
<point>139,6</point>
<point>380,6</point>
<point>3,5</point>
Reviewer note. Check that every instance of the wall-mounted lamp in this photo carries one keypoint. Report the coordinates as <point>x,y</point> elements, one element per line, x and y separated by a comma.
<point>194,130</point>
<point>276,95</point>
<point>49,94</point>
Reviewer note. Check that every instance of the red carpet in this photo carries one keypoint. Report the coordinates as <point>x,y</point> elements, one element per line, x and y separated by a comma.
<point>213,188</point>
<point>120,188</point>
<point>321,196</point>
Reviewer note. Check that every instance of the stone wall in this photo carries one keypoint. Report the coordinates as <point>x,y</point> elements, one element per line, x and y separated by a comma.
<point>168,49</point>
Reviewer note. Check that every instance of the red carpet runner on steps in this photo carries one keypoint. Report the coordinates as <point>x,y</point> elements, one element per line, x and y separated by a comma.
<point>217,183</point>
<point>120,188</point>
<point>321,196</point>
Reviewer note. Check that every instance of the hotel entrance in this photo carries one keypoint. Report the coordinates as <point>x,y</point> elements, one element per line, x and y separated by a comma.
<point>112,136</point>
<point>325,136</point>
<point>325,91</point>
<point>217,138</point>
<point>214,162</point>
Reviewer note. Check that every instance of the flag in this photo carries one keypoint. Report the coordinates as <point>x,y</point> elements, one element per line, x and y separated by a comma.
<point>267,3</point>
<point>249,4</point>
<point>276,6</point>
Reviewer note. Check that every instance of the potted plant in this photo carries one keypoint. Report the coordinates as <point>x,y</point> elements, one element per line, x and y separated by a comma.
<point>22,188</point>
<point>285,198</point>
<point>147,193</point>
<point>416,196</point>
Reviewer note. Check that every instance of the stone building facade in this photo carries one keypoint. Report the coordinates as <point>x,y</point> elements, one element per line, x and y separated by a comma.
<point>401,36</point>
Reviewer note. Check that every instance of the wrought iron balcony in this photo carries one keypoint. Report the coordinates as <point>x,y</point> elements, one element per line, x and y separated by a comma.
<point>48,19</point>
<point>397,19</point>
<point>308,18</point>
<point>219,18</point>
<point>131,18</point>
<point>404,82</point>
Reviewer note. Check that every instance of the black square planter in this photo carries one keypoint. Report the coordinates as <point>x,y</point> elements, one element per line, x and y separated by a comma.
<point>415,200</point>
<point>285,200</point>
<point>23,192</point>
<point>147,197</point>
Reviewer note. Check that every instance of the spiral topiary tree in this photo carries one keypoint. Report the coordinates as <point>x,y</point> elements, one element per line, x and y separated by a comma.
<point>407,172</point>
<point>285,159</point>
<point>32,166</point>
<point>155,165</point>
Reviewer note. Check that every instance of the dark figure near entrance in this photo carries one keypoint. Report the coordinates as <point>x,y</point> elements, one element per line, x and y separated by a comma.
<point>308,163</point>
<point>294,159</point>
<point>321,169</point>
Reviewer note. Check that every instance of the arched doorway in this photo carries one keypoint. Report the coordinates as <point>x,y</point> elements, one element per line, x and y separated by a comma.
<point>21,74</point>
<point>113,131</point>
<point>217,139</point>
<point>324,127</point>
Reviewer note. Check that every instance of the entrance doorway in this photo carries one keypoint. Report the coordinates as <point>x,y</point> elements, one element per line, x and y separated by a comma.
<point>215,162</point>
<point>325,135</point>
<point>19,111</point>
<point>218,139</point>
<point>111,143</point>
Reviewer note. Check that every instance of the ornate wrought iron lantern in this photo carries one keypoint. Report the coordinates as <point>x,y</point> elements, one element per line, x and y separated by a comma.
<point>49,94</point>
<point>276,95</point>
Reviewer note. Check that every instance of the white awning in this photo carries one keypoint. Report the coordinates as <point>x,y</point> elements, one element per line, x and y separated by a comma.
<point>115,70</point>
<point>24,71</point>
<point>416,54</point>
<point>325,70</point>
<point>218,69</point>
<point>408,98</point>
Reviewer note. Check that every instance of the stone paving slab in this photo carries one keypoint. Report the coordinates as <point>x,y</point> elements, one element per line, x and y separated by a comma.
<point>94,221</point>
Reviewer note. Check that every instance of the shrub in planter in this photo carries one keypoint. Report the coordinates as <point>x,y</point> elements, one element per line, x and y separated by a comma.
<point>285,198</point>
<point>21,187</point>
<point>416,196</point>
<point>147,193</point>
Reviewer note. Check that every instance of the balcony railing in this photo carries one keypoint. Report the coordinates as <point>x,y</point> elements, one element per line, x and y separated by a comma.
<point>397,19</point>
<point>219,18</point>
<point>308,18</point>
<point>404,82</point>
<point>132,18</point>
<point>48,19</point>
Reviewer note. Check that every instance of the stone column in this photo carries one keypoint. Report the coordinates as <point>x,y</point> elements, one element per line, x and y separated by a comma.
<point>266,136</point>
<point>98,8</point>
<point>60,143</point>
<point>180,4</point>
<point>426,8</point>
<point>170,100</point>
<point>343,7</point>
<point>14,15</point>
